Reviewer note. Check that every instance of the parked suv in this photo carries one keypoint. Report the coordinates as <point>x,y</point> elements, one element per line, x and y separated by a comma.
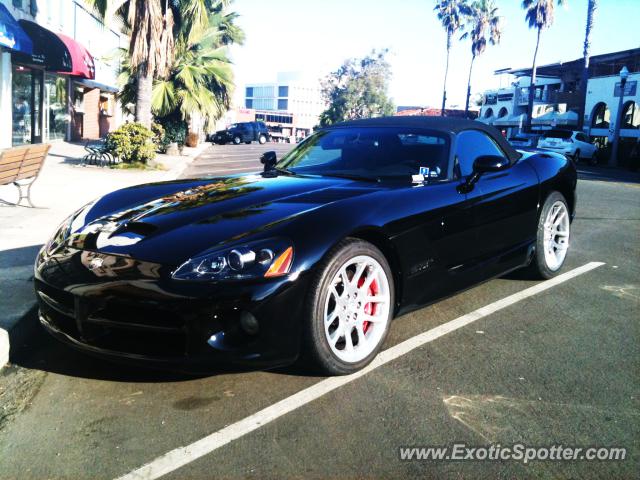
<point>246,132</point>
<point>573,144</point>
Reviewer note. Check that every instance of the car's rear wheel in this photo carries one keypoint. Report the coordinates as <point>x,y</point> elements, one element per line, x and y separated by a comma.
<point>576,156</point>
<point>262,139</point>
<point>350,308</point>
<point>237,140</point>
<point>552,240</point>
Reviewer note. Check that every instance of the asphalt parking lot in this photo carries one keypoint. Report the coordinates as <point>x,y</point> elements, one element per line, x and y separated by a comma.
<point>553,366</point>
<point>233,159</point>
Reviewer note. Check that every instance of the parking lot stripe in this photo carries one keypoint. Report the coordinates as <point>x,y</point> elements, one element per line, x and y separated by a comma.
<point>184,455</point>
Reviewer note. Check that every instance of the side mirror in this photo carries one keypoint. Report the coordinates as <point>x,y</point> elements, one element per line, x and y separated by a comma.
<point>269,160</point>
<point>490,163</point>
<point>481,165</point>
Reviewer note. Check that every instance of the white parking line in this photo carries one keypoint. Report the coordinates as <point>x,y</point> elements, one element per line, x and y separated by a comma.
<point>183,455</point>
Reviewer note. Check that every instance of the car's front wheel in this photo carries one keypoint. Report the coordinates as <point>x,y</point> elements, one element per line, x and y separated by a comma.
<point>350,308</point>
<point>552,239</point>
<point>237,140</point>
<point>262,139</point>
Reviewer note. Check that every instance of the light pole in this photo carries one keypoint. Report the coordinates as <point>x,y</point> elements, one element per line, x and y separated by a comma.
<point>624,74</point>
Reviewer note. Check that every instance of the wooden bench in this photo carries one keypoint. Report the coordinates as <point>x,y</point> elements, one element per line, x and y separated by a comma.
<point>21,166</point>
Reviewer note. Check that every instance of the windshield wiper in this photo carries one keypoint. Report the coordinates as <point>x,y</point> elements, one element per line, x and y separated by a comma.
<point>285,171</point>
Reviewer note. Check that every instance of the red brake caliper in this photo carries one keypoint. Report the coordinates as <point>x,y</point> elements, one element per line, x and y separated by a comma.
<point>369,308</point>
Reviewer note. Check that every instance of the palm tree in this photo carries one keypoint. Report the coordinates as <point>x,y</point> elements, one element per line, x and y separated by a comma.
<point>485,25</point>
<point>151,27</point>
<point>539,15</point>
<point>584,80</point>
<point>200,81</point>
<point>450,16</point>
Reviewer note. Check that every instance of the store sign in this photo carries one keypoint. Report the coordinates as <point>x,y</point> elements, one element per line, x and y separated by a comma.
<point>490,99</point>
<point>630,89</point>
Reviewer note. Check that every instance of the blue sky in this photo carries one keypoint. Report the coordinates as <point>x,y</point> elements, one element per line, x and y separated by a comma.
<point>315,36</point>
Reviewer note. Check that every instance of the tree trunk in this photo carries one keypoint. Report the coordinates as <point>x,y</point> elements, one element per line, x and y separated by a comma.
<point>532,87</point>
<point>584,80</point>
<point>143,98</point>
<point>466,105</point>
<point>446,73</point>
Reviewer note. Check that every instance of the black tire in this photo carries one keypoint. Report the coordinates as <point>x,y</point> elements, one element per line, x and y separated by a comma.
<point>316,352</point>
<point>237,140</point>
<point>538,267</point>
<point>262,139</point>
<point>248,143</point>
<point>576,156</point>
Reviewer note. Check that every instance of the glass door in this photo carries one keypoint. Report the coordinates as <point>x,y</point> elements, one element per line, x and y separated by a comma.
<point>26,86</point>
<point>36,118</point>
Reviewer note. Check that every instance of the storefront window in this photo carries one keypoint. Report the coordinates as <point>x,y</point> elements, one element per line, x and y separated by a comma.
<point>106,105</point>
<point>78,100</point>
<point>56,116</point>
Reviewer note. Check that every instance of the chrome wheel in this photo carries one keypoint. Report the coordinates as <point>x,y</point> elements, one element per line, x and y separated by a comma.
<point>356,310</point>
<point>556,235</point>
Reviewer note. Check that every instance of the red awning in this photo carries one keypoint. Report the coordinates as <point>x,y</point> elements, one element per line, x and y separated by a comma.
<point>81,60</point>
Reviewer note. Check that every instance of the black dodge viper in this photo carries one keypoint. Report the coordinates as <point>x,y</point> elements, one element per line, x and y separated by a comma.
<point>310,258</point>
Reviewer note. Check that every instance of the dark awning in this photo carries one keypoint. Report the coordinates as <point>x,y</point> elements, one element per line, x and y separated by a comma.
<point>81,60</point>
<point>48,50</point>
<point>101,86</point>
<point>11,35</point>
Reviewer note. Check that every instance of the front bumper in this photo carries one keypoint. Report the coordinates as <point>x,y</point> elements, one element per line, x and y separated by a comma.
<point>124,309</point>
<point>222,138</point>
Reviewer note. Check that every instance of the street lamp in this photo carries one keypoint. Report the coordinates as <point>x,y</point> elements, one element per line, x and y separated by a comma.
<point>624,74</point>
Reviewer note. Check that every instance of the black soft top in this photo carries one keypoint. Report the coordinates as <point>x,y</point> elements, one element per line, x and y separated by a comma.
<point>450,125</point>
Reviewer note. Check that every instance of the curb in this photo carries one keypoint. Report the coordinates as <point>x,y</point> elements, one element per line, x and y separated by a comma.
<point>17,335</point>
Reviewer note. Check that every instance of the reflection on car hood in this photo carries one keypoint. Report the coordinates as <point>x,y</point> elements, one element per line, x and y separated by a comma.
<point>172,221</point>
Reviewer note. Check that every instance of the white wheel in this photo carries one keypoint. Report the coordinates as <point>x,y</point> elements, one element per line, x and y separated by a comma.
<point>350,307</point>
<point>356,311</point>
<point>556,235</point>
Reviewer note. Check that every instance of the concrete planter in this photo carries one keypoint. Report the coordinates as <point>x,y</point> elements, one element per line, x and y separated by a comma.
<point>172,149</point>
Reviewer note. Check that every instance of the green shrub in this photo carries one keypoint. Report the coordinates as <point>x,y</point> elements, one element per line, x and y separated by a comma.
<point>131,143</point>
<point>175,130</point>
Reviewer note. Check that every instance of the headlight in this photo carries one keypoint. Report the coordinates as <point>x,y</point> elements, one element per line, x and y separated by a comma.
<point>265,258</point>
<point>60,235</point>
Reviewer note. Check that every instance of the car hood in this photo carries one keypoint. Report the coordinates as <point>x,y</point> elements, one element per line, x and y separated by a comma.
<point>170,222</point>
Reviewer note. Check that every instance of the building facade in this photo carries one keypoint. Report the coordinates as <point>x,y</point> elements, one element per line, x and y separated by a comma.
<point>290,107</point>
<point>558,100</point>
<point>58,79</point>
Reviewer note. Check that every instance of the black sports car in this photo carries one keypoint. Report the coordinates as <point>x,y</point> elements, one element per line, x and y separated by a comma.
<point>310,258</point>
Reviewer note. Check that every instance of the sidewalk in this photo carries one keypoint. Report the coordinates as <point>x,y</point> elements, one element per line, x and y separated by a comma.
<point>62,187</point>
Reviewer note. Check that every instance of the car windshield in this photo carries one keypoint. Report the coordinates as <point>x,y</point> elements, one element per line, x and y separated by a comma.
<point>558,134</point>
<point>371,153</point>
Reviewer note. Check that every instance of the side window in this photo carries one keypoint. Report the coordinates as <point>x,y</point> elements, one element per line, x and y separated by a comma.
<point>470,145</point>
